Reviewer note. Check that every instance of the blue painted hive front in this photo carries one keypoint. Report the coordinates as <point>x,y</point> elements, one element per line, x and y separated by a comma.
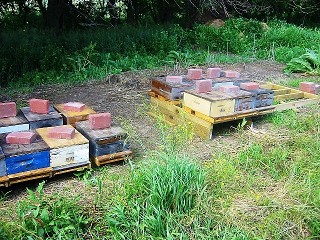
<point>22,158</point>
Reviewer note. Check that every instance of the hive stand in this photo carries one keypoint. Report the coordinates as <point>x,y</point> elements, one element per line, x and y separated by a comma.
<point>3,169</point>
<point>53,118</point>
<point>70,118</point>
<point>67,155</point>
<point>14,124</point>
<point>106,145</point>
<point>26,162</point>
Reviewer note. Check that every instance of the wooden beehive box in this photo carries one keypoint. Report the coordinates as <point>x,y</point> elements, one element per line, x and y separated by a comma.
<point>213,104</point>
<point>262,97</point>
<point>53,118</point>
<point>243,101</point>
<point>70,117</point>
<point>106,145</point>
<point>23,158</point>
<point>14,124</point>
<point>66,153</point>
<point>171,91</point>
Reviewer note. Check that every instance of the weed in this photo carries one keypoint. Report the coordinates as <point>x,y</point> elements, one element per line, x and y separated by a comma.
<point>309,63</point>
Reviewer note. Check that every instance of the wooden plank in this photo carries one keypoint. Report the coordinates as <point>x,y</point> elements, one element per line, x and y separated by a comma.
<point>70,118</point>
<point>71,168</point>
<point>281,91</point>
<point>69,155</point>
<point>155,95</point>
<point>296,104</point>
<point>177,115</point>
<point>14,124</point>
<point>4,181</point>
<point>109,158</point>
<point>59,143</point>
<point>30,175</point>
<point>289,96</point>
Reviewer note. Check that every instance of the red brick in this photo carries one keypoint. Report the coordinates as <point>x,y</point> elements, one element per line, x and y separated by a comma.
<point>40,106</point>
<point>61,132</point>
<point>229,89</point>
<point>174,79</point>
<point>203,86</point>
<point>74,106</point>
<point>309,87</point>
<point>249,86</point>
<point>230,74</point>
<point>213,73</point>
<point>99,120</point>
<point>8,109</point>
<point>194,74</point>
<point>20,137</point>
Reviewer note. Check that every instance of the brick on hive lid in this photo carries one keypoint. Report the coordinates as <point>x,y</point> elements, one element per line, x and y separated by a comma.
<point>174,79</point>
<point>74,106</point>
<point>249,86</point>
<point>229,89</point>
<point>194,74</point>
<point>99,121</point>
<point>20,137</point>
<point>204,86</point>
<point>61,132</point>
<point>8,109</point>
<point>230,74</point>
<point>213,73</point>
<point>40,106</point>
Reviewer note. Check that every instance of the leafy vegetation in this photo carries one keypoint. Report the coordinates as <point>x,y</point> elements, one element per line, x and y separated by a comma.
<point>308,62</point>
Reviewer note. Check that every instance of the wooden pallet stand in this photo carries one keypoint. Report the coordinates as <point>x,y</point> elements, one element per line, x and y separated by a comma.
<point>14,124</point>
<point>4,181</point>
<point>106,145</point>
<point>22,158</point>
<point>70,118</point>
<point>29,175</point>
<point>71,168</point>
<point>53,118</point>
<point>66,153</point>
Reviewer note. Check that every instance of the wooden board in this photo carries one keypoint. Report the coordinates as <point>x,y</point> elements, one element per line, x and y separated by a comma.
<point>109,158</point>
<point>213,104</point>
<point>176,115</point>
<point>70,118</point>
<point>4,181</point>
<point>53,118</point>
<point>71,168</point>
<point>30,175</point>
<point>66,156</point>
<point>3,167</point>
<point>155,95</point>
<point>14,124</point>
<point>59,143</point>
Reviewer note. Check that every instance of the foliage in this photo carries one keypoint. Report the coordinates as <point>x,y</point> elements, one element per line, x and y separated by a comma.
<point>308,62</point>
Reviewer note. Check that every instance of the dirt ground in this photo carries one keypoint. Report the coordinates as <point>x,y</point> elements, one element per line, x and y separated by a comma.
<point>122,96</point>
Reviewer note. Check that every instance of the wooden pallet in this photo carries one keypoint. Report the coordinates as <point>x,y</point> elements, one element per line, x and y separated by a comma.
<point>161,98</point>
<point>71,168</point>
<point>114,157</point>
<point>287,98</point>
<point>4,181</point>
<point>29,175</point>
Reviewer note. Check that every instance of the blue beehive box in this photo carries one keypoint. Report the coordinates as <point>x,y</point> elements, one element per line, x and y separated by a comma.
<point>52,119</point>
<point>103,143</point>
<point>23,158</point>
<point>14,124</point>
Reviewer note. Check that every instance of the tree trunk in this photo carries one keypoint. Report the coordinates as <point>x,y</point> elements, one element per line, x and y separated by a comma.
<point>57,13</point>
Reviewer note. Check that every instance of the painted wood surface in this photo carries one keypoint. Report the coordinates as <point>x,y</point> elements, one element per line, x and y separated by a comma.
<point>70,117</point>
<point>171,91</point>
<point>14,124</point>
<point>71,168</point>
<point>27,162</point>
<point>3,168</point>
<point>213,104</point>
<point>116,157</point>
<point>20,149</point>
<point>69,155</point>
<point>59,143</point>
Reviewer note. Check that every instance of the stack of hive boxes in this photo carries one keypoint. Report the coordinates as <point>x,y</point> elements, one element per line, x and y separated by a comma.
<point>34,143</point>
